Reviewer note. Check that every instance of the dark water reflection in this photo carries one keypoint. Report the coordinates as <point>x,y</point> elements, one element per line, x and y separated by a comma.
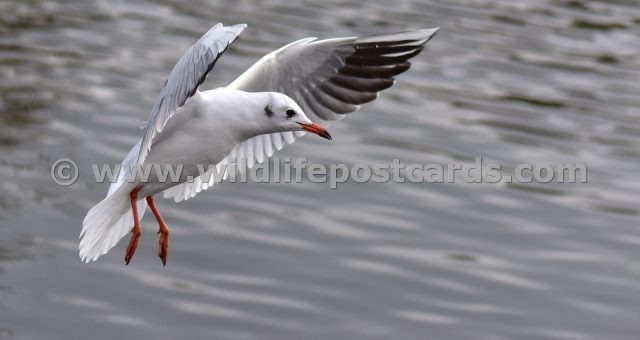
<point>511,81</point>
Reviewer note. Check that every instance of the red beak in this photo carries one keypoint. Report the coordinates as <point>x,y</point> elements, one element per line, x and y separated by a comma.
<point>316,129</point>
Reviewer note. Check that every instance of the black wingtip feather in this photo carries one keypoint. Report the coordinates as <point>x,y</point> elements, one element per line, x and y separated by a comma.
<point>374,72</point>
<point>381,60</point>
<point>360,84</point>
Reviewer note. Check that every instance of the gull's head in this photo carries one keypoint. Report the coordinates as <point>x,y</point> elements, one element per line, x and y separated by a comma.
<point>287,115</point>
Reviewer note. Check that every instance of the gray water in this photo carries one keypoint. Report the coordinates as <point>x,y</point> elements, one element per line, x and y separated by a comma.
<point>532,81</point>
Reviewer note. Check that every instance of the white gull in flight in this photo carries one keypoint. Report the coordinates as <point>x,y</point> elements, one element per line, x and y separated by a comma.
<point>267,107</point>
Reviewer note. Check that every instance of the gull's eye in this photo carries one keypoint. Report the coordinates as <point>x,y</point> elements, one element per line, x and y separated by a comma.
<point>290,113</point>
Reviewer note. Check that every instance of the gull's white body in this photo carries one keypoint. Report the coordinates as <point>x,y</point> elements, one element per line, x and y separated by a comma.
<point>204,132</point>
<point>187,128</point>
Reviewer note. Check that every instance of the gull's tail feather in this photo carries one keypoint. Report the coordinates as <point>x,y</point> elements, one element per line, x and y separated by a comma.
<point>108,222</point>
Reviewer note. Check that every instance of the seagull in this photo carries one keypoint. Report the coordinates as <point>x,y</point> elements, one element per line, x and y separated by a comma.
<point>265,108</point>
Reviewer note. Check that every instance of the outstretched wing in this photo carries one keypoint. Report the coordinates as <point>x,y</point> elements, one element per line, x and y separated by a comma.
<point>190,71</point>
<point>327,78</point>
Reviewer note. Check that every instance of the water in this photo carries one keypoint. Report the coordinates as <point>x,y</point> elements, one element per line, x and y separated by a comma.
<point>512,82</point>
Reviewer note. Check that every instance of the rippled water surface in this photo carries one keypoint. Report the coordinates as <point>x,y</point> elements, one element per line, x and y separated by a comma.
<point>553,81</point>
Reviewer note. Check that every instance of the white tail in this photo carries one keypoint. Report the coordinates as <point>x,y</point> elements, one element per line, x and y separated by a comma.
<point>108,222</point>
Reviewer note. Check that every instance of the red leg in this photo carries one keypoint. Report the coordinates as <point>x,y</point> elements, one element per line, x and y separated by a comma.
<point>136,231</point>
<point>163,244</point>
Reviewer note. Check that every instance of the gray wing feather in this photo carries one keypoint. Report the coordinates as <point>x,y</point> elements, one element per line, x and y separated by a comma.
<point>188,73</point>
